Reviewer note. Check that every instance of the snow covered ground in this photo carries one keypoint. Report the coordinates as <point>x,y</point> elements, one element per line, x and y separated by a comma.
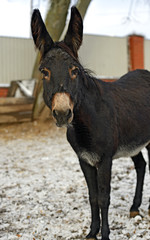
<point>43,194</point>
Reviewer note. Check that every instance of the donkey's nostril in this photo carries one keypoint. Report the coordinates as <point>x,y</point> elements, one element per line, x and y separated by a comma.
<point>55,113</point>
<point>68,113</point>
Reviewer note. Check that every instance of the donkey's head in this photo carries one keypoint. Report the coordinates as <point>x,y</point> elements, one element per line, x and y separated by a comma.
<point>59,66</point>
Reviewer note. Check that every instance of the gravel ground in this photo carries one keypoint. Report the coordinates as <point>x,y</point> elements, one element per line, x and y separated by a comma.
<point>43,194</point>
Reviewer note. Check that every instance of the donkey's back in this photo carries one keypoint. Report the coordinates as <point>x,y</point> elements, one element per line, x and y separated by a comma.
<point>134,79</point>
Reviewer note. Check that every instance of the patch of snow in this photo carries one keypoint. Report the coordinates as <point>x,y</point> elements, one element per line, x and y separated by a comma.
<point>43,194</point>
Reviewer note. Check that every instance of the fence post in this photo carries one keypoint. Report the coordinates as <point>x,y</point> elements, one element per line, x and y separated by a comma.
<point>135,52</point>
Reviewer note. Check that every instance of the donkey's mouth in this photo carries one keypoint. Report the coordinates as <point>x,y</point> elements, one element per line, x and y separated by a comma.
<point>60,125</point>
<point>63,119</point>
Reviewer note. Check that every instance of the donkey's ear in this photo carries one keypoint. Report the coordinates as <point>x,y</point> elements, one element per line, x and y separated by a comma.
<point>41,37</point>
<point>74,35</point>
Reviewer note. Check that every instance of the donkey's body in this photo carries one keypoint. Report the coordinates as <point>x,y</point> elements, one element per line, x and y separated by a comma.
<point>104,120</point>
<point>112,117</point>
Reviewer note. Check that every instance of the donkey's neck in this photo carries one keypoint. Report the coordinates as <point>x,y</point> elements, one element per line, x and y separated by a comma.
<point>94,91</point>
<point>93,94</point>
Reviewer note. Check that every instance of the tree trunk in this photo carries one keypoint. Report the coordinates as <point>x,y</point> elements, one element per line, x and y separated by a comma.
<point>55,23</point>
<point>82,6</point>
<point>56,18</point>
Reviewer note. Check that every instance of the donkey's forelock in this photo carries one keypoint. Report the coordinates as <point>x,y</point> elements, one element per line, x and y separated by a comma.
<point>65,47</point>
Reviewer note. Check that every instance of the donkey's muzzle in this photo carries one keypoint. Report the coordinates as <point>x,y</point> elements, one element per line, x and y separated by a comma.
<point>62,109</point>
<point>62,118</point>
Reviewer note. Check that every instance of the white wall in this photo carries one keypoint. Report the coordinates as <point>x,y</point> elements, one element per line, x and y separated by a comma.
<point>17,58</point>
<point>106,56</point>
<point>147,54</point>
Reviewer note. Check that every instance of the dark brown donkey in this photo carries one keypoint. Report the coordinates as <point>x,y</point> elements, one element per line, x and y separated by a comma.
<point>104,120</point>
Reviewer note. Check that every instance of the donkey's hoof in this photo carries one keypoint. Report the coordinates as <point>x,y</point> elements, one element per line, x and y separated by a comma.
<point>134,214</point>
<point>105,238</point>
<point>90,237</point>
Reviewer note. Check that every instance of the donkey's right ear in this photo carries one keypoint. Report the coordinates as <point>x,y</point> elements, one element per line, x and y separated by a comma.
<point>41,37</point>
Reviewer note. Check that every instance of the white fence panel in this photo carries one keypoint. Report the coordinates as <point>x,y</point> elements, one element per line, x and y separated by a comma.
<point>17,57</point>
<point>106,56</point>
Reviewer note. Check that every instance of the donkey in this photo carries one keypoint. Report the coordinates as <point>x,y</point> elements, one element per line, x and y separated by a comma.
<point>104,121</point>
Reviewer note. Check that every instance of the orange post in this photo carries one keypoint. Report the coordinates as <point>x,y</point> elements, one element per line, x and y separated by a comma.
<point>136,52</point>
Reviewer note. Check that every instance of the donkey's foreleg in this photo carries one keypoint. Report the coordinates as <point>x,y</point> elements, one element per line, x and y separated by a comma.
<point>104,178</point>
<point>90,174</point>
<point>140,164</point>
<point>148,149</point>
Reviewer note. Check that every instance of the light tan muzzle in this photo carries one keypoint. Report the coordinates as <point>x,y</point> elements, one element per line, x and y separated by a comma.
<point>62,109</point>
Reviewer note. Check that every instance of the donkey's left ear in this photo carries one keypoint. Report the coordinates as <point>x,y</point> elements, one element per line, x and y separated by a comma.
<point>41,37</point>
<point>74,35</point>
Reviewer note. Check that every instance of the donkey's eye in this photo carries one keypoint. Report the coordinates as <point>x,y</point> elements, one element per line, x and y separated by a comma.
<point>46,74</point>
<point>73,72</point>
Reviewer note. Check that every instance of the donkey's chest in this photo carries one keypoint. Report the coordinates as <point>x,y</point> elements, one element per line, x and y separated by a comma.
<point>89,157</point>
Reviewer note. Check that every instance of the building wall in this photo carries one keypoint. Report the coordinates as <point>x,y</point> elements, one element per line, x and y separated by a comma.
<point>17,58</point>
<point>147,54</point>
<point>106,56</point>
